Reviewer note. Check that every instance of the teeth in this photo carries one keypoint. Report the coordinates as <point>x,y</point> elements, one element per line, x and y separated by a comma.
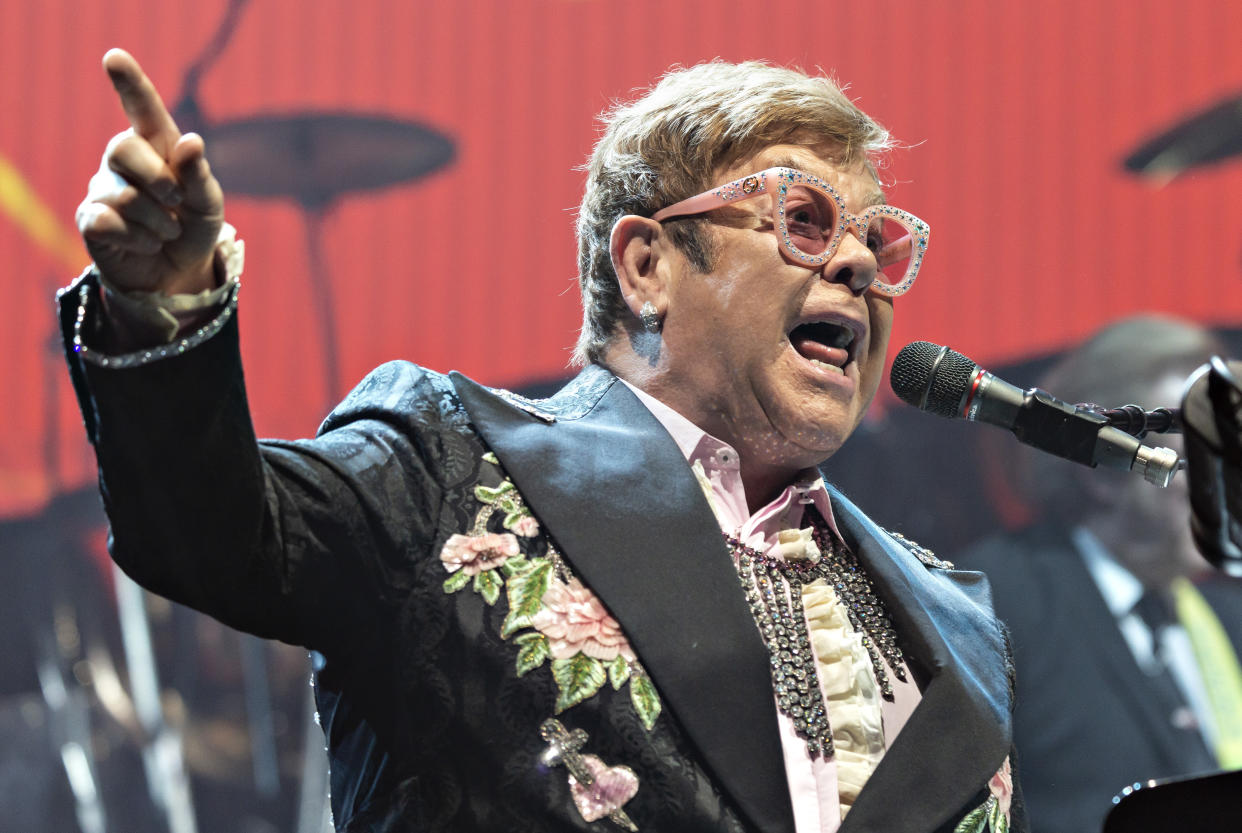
<point>827,366</point>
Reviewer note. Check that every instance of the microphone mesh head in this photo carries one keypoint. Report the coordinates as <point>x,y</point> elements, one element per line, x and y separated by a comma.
<point>949,384</point>
<point>912,370</point>
<point>916,375</point>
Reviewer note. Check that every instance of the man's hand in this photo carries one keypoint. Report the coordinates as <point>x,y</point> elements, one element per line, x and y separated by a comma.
<point>153,211</point>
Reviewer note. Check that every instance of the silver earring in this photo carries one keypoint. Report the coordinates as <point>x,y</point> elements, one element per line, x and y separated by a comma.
<point>649,317</point>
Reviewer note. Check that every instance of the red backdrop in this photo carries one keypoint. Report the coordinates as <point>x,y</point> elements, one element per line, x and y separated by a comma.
<point>1017,115</point>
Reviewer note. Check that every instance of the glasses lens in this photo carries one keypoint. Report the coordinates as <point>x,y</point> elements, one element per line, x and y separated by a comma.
<point>810,219</point>
<point>893,241</point>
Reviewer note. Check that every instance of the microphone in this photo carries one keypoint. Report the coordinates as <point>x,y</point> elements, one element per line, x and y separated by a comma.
<point>944,382</point>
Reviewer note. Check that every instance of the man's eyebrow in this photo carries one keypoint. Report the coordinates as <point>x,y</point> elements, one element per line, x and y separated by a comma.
<point>874,198</point>
<point>787,162</point>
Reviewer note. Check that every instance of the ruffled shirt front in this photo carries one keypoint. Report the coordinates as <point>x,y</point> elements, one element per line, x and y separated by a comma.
<point>863,724</point>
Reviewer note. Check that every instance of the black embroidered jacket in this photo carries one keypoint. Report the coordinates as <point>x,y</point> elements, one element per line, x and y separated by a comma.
<point>370,544</point>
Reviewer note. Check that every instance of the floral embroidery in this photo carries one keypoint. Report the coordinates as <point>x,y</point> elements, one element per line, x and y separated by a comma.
<point>506,499</point>
<point>551,615</point>
<point>575,621</point>
<point>478,556</point>
<point>1001,788</point>
<point>474,554</point>
<point>992,816</point>
<point>526,526</point>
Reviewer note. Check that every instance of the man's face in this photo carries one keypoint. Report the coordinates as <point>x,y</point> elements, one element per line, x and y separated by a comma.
<point>775,358</point>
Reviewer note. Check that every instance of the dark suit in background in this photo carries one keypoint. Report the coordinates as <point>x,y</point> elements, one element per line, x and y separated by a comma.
<point>1088,720</point>
<point>1098,709</point>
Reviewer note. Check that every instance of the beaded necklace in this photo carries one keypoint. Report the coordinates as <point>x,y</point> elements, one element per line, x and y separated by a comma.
<point>773,590</point>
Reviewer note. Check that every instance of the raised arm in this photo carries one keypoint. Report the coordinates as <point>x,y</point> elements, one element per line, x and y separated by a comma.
<point>153,211</point>
<point>303,541</point>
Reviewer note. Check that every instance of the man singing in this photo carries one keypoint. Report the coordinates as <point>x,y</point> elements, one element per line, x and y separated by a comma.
<point>632,606</point>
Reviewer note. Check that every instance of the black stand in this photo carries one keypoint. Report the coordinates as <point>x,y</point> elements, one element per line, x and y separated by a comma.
<point>1212,426</point>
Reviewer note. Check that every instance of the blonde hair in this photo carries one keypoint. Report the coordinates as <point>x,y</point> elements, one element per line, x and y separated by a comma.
<point>671,143</point>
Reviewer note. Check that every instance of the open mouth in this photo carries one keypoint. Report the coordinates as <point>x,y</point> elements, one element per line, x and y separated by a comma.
<point>828,345</point>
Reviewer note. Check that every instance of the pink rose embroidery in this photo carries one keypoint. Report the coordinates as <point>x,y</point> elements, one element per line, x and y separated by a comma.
<point>992,816</point>
<point>526,526</point>
<point>575,621</point>
<point>1001,787</point>
<point>474,554</point>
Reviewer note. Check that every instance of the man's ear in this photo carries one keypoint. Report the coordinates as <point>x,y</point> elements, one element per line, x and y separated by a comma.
<point>642,272</point>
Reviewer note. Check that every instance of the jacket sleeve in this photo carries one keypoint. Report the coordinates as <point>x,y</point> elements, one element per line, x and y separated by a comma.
<point>309,542</point>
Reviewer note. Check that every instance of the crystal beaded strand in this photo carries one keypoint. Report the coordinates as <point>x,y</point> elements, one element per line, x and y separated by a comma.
<point>773,589</point>
<point>782,625</point>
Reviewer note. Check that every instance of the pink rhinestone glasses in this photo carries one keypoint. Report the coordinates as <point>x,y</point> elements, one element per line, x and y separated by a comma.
<point>810,219</point>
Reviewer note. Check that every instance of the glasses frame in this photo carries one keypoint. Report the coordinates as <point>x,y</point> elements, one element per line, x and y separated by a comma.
<point>776,181</point>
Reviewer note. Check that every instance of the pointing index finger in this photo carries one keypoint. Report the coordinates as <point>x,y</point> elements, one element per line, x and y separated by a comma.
<point>141,101</point>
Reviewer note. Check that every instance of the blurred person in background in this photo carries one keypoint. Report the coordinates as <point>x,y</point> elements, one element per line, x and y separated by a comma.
<point>1124,637</point>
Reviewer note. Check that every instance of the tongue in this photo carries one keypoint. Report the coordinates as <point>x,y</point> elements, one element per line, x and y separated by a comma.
<point>811,349</point>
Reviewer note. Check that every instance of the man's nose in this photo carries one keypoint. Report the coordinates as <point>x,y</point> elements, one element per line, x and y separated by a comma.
<point>853,264</point>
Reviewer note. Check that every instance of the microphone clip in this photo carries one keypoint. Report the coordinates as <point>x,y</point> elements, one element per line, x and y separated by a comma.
<point>1137,422</point>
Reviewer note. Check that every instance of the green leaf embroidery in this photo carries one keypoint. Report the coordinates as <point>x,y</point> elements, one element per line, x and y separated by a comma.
<point>456,581</point>
<point>490,457</point>
<point>999,823</point>
<point>513,517</point>
<point>487,494</point>
<point>513,566</point>
<point>577,678</point>
<point>646,701</point>
<point>525,591</point>
<point>487,584</point>
<point>975,821</point>
<point>532,653</point>
<point>618,672</point>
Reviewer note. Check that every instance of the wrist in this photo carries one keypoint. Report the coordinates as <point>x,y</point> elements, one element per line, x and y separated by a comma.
<point>208,275</point>
<point>137,318</point>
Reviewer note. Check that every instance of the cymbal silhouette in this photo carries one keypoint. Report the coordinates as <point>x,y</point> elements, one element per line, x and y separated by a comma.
<point>314,157</point>
<point>1208,136</point>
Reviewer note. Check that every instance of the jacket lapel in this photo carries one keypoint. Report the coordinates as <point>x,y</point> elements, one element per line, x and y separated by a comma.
<point>616,495</point>
<point>961,731</point>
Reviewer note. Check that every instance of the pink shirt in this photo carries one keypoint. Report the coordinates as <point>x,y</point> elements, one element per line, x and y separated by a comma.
<point>812,782</point>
